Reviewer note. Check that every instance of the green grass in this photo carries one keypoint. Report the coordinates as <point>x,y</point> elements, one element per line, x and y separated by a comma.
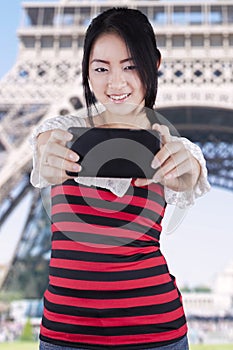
<point>34,346</point>
<point>19,346</point>
<point>212,347</point>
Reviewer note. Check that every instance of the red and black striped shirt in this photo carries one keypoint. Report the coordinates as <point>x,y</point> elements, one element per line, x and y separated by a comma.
<point>109,287</point>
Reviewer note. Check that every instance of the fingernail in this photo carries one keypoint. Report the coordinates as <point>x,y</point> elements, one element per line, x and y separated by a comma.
<point>155,163</point>
<point>74,157</point>
<point>68,137</point>
<point>155,126</point>
<point>76,167</point>
<point>138,183</point>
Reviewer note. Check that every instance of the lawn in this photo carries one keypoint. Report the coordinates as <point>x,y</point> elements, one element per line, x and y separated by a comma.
<point>19,346</point>
<point>212,347</point>
<point>34,346</point>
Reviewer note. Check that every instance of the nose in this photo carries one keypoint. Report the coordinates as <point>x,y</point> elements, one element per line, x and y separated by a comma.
<point>117,80</point>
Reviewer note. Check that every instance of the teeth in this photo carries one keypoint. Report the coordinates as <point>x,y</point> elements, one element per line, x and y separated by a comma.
<point>118,97</point>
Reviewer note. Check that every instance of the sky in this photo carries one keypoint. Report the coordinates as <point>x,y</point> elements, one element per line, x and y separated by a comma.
<point>10,16</point>
<point>10,20</point>
<point>200,247</point>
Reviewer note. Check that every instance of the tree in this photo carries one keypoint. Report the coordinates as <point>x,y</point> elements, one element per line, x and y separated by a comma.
<point>27,333</point>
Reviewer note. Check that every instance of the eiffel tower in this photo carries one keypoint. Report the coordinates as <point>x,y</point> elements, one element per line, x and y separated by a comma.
<point>195,95</point>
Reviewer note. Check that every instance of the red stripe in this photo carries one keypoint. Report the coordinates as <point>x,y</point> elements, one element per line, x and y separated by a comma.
<point>113,303</point>
<point>109,196</point>
<point>99,305</point>
<point>90,248</point>
<point>68,226</point>
<point>98,247</point>
<point>115,321</point>
<point>107,266</point>
<point>115,340</point>
<point>84,209</point>
<point>156,188</point>
<point>115,285</point>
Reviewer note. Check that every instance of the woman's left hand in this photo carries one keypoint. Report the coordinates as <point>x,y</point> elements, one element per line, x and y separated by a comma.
<point>176,168</point>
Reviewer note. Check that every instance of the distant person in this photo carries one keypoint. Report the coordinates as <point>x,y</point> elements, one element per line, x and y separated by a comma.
<point>109,284</point>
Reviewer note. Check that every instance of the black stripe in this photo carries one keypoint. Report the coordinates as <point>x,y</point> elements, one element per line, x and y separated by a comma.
<point>116,312</point>
<point>113,331</point>
<point>108,276</point>
<point>103,203</point>
<point>117,207</point>
<point>139,346</point>
<point>93,238</point>
<point>71,236</point>
<point>104,221</point>
<point>140,192</point>
<point>102,257</point>
<point>107,240</point>
<point>111,294</point>
<point>92,219</point>
<point>132,190</point>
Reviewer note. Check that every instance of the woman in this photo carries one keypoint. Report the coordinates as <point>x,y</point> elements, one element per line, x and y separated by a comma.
<point>110,287</point>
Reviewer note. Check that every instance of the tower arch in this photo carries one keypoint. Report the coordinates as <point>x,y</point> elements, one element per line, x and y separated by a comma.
<point>195,93</point>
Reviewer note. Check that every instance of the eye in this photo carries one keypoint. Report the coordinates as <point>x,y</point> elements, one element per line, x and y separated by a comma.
<point>131,67</point>
<point>101,70</point>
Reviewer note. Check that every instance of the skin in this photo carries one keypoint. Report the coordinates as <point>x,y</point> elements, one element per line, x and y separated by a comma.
<point>116,84</point>
<point>114,79</point>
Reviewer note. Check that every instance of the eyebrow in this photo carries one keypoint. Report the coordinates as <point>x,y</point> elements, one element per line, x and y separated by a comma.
<point>107,62</point>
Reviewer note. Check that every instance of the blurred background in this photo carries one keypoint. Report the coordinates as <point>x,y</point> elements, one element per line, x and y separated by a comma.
<point>40,64</point>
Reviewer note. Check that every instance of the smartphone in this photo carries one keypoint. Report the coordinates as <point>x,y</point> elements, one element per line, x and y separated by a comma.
<point>113,152</point>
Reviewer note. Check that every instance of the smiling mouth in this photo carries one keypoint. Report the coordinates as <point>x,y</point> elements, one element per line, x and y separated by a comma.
<point>119,98</point>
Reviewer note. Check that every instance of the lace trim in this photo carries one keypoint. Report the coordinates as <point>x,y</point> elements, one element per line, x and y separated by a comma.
<point>118,186</point>
<point>187,198</point>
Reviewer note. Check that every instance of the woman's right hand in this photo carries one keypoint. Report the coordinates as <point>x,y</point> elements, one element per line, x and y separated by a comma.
<point>55,158</point>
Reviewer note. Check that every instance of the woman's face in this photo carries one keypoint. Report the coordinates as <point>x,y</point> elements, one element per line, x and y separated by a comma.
<point>114,77</point>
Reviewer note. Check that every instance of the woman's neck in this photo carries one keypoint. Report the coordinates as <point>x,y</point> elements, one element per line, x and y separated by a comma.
<point>139,121</point>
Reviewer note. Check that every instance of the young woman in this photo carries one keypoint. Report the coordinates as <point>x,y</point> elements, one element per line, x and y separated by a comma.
<point>110,287</point>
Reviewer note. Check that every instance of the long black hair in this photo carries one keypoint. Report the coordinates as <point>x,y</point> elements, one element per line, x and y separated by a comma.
<point>135,29</point>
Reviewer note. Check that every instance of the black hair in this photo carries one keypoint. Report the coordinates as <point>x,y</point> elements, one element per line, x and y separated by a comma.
<point>135,29</point>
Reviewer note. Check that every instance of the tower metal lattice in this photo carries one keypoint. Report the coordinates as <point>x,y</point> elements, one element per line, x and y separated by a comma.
<point>195,95</point>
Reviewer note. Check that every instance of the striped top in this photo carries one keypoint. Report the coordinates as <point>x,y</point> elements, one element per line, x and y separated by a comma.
<point>109,287</point>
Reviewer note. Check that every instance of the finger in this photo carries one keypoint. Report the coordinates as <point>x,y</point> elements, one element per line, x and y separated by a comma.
<point>61,136</point>
<point>61,163</point>
<point>173,182</point>
<point>142,182</point>
<point>54,175</point>
<point>158,176</point>
<point>61,151</point>
<point>176,184</point>
<point>164,132</point>
<point>167,151</point>
<point>174,162</point>
<point>171,163</point>
<point>183,168</point>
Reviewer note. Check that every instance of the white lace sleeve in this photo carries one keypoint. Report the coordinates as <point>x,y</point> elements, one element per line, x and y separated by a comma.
<point>119,186</point>
<point>60,122</point>
<point>186,199</point>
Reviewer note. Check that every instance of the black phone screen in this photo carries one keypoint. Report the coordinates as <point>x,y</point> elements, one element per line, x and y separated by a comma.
<point>113,152</point>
